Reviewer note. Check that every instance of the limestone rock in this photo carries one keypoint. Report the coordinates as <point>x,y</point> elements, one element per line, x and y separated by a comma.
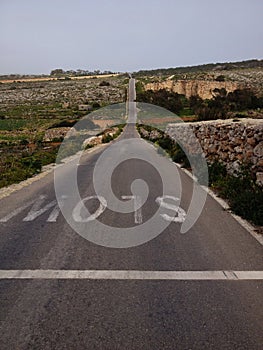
<point>202,88</point>
<point>258,150</point>
<point>259,176</point>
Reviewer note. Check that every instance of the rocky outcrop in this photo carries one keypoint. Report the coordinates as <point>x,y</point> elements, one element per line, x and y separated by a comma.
<point>57,133</point>
<point>232,143</point>
<point>151,135</point>
<point>92,141</point>
<point>97,140</point>
<point>201,88</point>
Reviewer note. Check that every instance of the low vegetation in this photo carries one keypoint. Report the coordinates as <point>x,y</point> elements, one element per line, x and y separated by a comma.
<point>222,106</point>
<point>244,196</point>
<point>166,143</point>
<point>163,98</point>
<point>29,109</point>
<point>26,163</point>
<point>21,159</point>
<point>107,137</point>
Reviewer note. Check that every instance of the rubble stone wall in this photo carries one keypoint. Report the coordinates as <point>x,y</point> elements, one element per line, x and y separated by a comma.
<point>232,143</point>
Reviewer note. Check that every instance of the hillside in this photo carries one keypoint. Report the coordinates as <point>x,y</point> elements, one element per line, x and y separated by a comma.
<point>202,68</point>
<point>246,74</point>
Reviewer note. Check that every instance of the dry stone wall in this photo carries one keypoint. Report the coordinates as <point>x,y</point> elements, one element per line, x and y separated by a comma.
<point>232,143</point>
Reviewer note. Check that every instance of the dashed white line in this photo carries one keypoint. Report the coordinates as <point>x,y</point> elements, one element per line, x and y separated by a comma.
<point>132,275</point>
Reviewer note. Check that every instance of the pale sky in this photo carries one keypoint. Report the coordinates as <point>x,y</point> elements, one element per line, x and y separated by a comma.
<point>37,36</point>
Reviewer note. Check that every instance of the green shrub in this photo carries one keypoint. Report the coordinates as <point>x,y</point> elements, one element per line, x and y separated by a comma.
<point>179,156</point>
<point>31,162</point>
<point>220,78</point>
<point>245,198</point>
<point>217,172</point>
<point>166,143</point>
<point>106,138</point>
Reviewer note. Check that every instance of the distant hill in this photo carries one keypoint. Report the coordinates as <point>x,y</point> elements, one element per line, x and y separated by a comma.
<point>201,68</point>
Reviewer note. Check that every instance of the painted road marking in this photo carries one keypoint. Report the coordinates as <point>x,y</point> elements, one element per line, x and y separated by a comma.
<point>16,212</point>
<point>181,214</point>
<point>81,205</point>
<point>35,211</point>
<point>132,275</point>
<point>137,208</point>
<point>39,207</point>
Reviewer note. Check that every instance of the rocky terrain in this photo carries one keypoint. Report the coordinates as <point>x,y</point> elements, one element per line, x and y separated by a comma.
<point>202,88</point>
<point>202,79</point>
<point>202,84</point>
<point>36,115</point>
<point>67,93</point>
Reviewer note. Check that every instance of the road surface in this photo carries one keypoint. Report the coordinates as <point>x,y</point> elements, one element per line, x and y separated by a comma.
<point>176,291</point>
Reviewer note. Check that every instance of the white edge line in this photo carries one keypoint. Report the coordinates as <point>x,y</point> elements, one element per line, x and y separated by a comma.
<point>131,275</point>
<point>244,223</point>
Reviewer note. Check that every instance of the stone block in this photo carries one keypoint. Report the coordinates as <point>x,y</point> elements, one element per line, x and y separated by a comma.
<point>259,176</point>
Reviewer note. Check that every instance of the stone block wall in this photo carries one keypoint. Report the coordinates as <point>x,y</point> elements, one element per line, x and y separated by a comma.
<point>232,143</point>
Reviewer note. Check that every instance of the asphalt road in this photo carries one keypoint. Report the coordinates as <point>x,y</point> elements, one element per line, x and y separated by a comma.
<point>85,310</point>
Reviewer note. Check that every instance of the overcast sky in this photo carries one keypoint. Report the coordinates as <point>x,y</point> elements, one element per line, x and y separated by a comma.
<point>37,36</point>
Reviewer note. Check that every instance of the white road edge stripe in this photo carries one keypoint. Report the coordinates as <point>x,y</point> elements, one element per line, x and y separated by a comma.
<point>131,275</point>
